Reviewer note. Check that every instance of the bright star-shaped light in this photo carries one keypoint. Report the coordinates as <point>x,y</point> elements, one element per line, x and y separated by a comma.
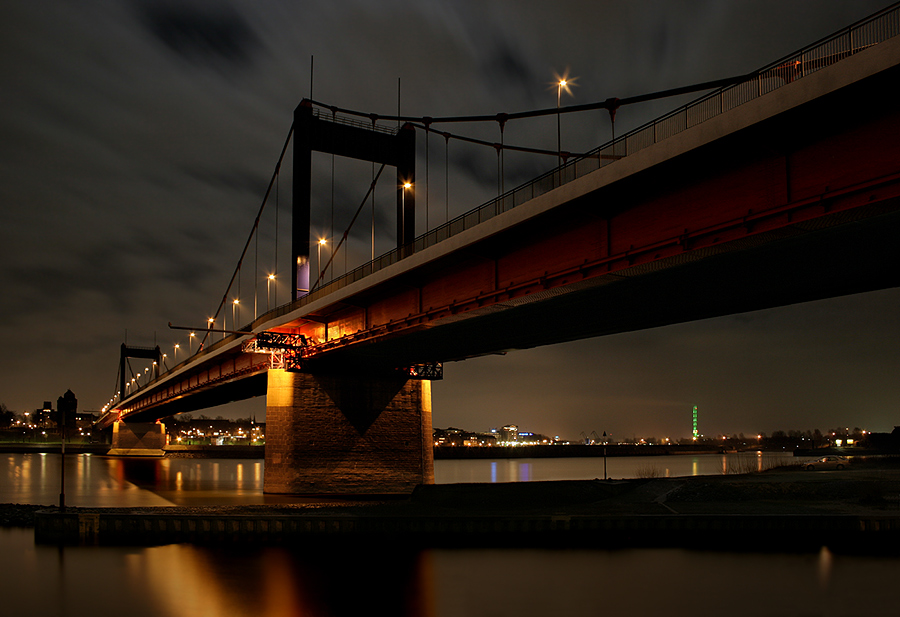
<point>563,83</point>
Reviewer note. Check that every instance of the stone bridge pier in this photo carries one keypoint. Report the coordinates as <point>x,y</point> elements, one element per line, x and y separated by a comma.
<point>138,439</point>
<point>347,435</point>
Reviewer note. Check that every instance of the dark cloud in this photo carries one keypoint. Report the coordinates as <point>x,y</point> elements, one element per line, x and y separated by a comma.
<point>202,34</point>
<point>237,181</point>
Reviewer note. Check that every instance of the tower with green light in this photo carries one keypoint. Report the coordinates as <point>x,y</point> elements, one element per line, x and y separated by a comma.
<point>696,433</point>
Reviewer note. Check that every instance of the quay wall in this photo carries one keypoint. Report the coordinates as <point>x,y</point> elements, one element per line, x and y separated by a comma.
<point>467,530</point>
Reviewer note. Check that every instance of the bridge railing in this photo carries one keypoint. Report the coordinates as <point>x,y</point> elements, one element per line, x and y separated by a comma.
<point>353,121</point>
<point>857,37</point>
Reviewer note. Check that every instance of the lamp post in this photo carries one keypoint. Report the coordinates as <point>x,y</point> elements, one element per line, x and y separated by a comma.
<point>319,246</point>
<point>563,83</point>
<point>191,343</point>
<point>269,280</point>
<point>559,87</point>
<point>605,476</point>
<point>62,460</point>
<point>235,312</point>
<point>175,353</point>
<point>406,186</point>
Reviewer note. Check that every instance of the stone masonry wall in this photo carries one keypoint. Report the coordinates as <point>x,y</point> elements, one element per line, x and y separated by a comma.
<point>329,434</point>
<point>138,438</point>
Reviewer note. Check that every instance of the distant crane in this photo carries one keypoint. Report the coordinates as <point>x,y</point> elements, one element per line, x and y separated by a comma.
<point>592,439</point>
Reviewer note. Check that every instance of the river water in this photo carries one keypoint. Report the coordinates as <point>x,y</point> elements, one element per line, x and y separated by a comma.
<point>184,580</point>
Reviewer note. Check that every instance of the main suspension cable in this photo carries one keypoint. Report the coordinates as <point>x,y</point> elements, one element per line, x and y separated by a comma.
<point>253,230</point>
<point>610,103</point>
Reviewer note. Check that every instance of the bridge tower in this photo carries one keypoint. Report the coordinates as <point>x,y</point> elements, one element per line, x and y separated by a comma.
<point>315,134</point>
<point>138,438</point>
<point>352,430</point>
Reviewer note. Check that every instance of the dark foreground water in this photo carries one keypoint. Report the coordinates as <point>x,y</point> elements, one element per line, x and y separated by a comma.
<point>190,581</point>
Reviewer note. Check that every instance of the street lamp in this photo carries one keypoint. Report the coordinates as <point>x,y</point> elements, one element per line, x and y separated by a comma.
<point>164,356</point>
<point>235,308</point>
<point>563,83</point>
<point>269,280</point>
<point>406,187</point>
<point>322,243</point>
<point>175,353</point>
<point>191,343</point>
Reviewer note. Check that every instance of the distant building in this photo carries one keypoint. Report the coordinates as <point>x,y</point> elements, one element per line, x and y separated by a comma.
<point>509,434</point>
<point>216,432</point>
<point>885,441</point>
<point>66,408</point>
<point>458,437</point>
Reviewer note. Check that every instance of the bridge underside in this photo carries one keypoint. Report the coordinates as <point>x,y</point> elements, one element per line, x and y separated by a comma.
<point>854,258</point>
<point>802,206</point>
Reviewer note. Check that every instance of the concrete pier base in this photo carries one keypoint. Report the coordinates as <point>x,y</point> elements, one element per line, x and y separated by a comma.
<point>138,439</point>
<point>347,435</point>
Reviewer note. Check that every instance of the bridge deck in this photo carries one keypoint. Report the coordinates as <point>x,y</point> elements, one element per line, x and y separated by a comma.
<point>792,196</point>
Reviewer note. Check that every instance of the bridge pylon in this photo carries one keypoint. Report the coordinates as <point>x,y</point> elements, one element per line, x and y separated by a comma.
<point>147,353</point>
<point>329,434</point>
<point>314,133</point>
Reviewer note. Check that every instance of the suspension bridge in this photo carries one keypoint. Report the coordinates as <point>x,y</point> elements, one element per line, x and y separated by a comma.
<point>772,188</point>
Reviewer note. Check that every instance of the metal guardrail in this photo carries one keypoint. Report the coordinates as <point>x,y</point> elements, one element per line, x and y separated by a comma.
<point>354,122</point>
<point>853,39</point>
<point>830,50</point>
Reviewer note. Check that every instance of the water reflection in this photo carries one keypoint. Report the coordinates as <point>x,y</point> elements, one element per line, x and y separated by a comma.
<point>526,470</point>
<point>104,481</point>
<point>187,581</point>
<point>824,567</point>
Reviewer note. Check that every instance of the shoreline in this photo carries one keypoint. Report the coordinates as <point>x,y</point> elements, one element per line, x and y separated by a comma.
<point>851,510</point>
<point>455,452</point>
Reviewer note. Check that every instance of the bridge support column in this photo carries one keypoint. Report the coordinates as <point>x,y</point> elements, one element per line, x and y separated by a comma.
<point>138,439</point>
<point>342,435</point>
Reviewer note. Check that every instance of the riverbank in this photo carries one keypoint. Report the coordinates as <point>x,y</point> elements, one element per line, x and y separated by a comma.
<point>568,451</point>
<point>851,510</point>
<point>450,452</point>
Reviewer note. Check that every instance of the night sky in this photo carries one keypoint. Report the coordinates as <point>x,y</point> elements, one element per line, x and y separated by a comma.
<point>137,139</point>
